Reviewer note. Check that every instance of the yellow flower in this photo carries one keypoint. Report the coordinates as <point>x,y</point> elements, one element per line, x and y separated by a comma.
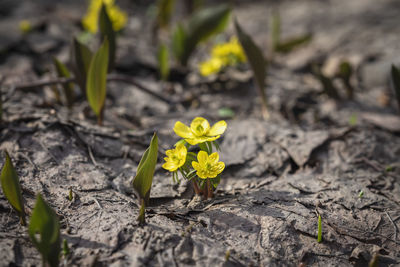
<point>175,158</point>
<point>211,66</point>
<point>199,131</point>
<point>223,55</point>
<point>117,16</point>
<point>208,166</point>
<point>25,26</point>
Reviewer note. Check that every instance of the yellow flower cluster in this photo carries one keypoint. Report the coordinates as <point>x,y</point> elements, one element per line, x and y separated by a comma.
<point>223,55</point>
<point>118,17</point>
<point>207,166</point>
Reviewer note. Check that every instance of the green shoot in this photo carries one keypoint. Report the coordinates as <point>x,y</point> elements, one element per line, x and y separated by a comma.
<point>144,176</point>
<point>361,194</point>
<point>374,261</point>
<point>96,84</point>
<point>319,239</point>
<point>326,82</point>
<point>345,72</point>
<point>164,12</point>
<point>65,250</point>
<point>292,43</point>
<point>81,58</point>
<point>396,83</point>
<point>227,255</point>
<point>70,194</point>
<point>12,189</point>
<point>353,119</point>
<point>257,63</point>
<point>226,113</point>
<point>107,32</point>
<point>163,62</point>
<point>389,168</point>
<point>62,71</point>
<point>201,26</point>
<point>44,231</point>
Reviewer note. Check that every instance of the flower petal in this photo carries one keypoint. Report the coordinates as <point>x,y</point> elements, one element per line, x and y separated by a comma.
<point>170,166</point>
<point>219,167</point>
<point>202,157</point>
<point>182,130</point>
<point>217,129</point>
<point>213,158</point>
<point>196,165</point>
<point>199,126</point>
<point>201,139</point>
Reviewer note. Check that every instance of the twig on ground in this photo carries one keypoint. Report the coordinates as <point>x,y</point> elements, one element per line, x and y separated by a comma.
<point>394,225</point>
<point>111,77</point>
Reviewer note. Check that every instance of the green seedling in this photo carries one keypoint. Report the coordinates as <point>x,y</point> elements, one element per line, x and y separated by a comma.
<point>144,177</point>
<point>389,168</point>
<point>319,238</point>
<point>326,82</point>
<point>257,63</point>
<point>164,12</point>
<point>81,58</point>
<point>44,231</point>
<point>288,45</point>
<point>96,84</point>
<point>344,73</point>
<point>65,249</point>
<point>201,26</point>
<point>396,83</point>
<point>203,169</point>
<point>361,194</point>
<point>12,189</point>
<point>163,62</point>
<point>353,119</point>
<point>374,262</point>
<point>62,71</point>
<point>70,194</point>
<point>107,32</point>
<point>227,254</point>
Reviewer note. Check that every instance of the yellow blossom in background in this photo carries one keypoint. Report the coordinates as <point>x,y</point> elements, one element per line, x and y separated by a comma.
<point>118,17</point>
<point>200,131</point>
<point>223,55</point>
<point>25,26</point>
<point>175,158</point>
<point>211,66</point>
<point>208,166</point>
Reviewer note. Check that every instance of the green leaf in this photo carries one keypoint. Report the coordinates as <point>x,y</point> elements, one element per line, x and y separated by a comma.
<point>107,32</point>
<point>45,225</point>
<point>163,62</point>
<point>179,37</point>
<point>326,82</point>
<point>97,79</point>
<point>145,171</point>
<point>396,82</point>
<point>62,71</point>
<point>202,25</point>
<point>81,57</point>
<point>65,250</point>
<point>11,188</point>
<point>290,44</point>
<point>215,181</point>
<point>164,12</point>
<point>257,63</point>
<point>275,30</point>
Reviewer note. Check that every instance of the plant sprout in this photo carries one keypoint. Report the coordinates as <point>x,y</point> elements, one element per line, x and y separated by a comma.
<point>96,84</point>
<point>12,189</point>
<point>396,83</point>
<point>319,239</point>
<point>202,25</point>
<point>163,59</point>
<point>144,176</point>
<point>203,169</point>
<point>62,71</point>
<point>44,231</point>
<point>118,17</point>
<point>257,63</point>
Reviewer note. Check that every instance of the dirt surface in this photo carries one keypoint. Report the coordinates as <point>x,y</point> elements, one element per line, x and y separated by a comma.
<point>307,159</point>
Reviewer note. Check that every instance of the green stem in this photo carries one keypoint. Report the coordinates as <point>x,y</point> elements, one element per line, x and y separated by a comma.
<point>142,218</point>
